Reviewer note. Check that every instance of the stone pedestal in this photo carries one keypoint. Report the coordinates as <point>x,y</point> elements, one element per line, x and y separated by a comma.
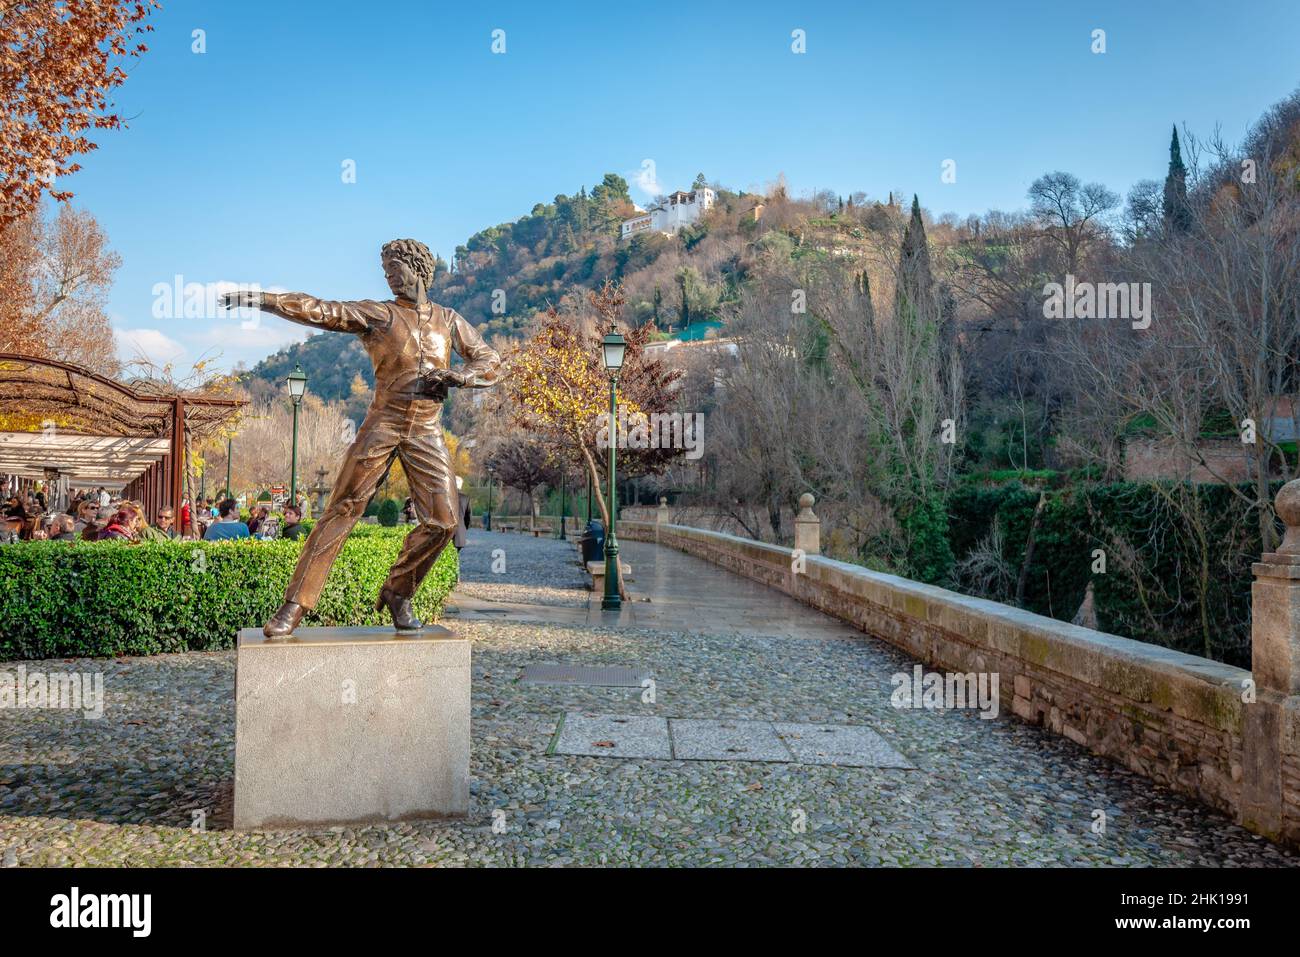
<point>1267,747</point>
<point>350,725</point>
<point>807,527</point>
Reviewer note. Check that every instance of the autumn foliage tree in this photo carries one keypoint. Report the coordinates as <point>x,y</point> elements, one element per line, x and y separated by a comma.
<point>525,466</point>
<point>54,277</point>
<point>59,62</point>
<point>557,388</point>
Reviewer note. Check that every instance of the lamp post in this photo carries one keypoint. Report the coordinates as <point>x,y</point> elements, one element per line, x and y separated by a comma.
<point>487,521</point>
<point>564,481</point>
<point>230,451</point>
<point>612,349</point>
<point>297,388</point>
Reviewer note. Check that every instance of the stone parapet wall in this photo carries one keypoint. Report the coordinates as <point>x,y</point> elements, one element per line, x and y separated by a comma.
<point>1174,718</point>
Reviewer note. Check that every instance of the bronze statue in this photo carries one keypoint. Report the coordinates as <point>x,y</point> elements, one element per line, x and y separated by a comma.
<point>409,340</point>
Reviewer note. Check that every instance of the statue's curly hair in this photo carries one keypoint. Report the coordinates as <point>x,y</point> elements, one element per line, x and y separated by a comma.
<point>415,254</point>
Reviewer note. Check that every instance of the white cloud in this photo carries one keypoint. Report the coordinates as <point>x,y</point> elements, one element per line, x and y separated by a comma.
<point>155,346</point>
<point>265,336</point>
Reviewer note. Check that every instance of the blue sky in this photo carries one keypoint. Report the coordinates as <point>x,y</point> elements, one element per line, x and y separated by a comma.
<point>231,168</point>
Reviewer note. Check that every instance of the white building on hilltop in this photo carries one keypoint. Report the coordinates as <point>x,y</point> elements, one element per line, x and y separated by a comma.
<point>677,210</point>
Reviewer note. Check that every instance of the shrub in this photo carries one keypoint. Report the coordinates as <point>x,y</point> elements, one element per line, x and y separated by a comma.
<point>105,598</point>
<point>929,552</point>
<point>1151,589</point>
<point>389,512</point>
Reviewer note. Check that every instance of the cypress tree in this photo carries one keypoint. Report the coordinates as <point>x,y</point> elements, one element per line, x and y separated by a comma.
<point>1178,215</point>
<point>915,292</point>
<point>863,286</point>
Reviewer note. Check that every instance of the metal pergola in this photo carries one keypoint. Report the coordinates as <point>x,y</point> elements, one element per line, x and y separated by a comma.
<point>61,419</point>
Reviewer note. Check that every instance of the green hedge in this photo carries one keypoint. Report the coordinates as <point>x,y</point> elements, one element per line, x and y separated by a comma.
<point>1161,601</point>
<point>106,598</point>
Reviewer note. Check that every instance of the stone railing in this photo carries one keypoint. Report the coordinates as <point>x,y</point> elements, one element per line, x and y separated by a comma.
<point>1226,736</point>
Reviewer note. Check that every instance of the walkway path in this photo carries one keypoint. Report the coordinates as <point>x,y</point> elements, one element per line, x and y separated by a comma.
<point>983,792</point>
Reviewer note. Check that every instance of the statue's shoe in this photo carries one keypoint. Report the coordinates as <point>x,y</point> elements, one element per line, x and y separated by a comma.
<point>399,607</point>
<point>284,621</point>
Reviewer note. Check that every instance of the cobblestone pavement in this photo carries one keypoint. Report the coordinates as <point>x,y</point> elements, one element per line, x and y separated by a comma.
<point>130,787</point>
<point>509,567</point>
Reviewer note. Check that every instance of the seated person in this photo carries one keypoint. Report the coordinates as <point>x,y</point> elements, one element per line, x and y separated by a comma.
<point>64,529</point>
<point>120,527</point>
<point>164,531</point>
<point>228,525</point>
<point>86,512</point>
<point>260,515</point>
<point>293,529</point>
<point>101,520</point>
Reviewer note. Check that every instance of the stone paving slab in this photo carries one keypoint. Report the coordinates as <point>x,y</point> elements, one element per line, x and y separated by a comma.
<point>696,739</point>
<point>723,739</point>
<point>613,736</point>
<point>835,744</point>
<point>612,676</point>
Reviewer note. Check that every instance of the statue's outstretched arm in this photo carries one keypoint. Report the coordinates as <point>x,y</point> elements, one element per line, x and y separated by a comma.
<point>355,317</point>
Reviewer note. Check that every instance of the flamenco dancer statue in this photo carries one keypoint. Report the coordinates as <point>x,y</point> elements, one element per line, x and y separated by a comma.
<point>410,341</point>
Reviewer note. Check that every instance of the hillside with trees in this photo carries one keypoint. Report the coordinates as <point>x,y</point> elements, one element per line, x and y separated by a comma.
<point>957,420</point>
<point>503,277</point>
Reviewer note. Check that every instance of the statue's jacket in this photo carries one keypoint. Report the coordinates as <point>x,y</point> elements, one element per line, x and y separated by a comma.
<point>404,343</point>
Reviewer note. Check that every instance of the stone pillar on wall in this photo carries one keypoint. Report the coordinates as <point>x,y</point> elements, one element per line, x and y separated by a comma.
<point>807,527</point>
<point>661,516</point>
<point>1275,667</point>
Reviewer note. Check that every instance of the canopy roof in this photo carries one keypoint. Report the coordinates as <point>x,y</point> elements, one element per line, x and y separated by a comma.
<point>97,431</point>
<point>87,460</point>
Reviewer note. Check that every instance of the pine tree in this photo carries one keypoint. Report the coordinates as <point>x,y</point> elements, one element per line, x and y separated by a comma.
<point>1178,215</point>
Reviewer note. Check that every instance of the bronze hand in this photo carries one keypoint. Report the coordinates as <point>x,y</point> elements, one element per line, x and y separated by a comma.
<point>242,299</point>
<point>439,382</point>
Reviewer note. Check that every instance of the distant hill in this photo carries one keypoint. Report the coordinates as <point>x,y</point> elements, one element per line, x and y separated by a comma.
<point>504,274</point>
<point>498,257</point>
<point>330,360</point>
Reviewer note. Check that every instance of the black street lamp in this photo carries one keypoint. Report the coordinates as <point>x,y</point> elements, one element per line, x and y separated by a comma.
<point>230,452</point>
<point>487,521</point>
<point>564,481</point>
<point>612,347</point>
<point>297,389</point>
